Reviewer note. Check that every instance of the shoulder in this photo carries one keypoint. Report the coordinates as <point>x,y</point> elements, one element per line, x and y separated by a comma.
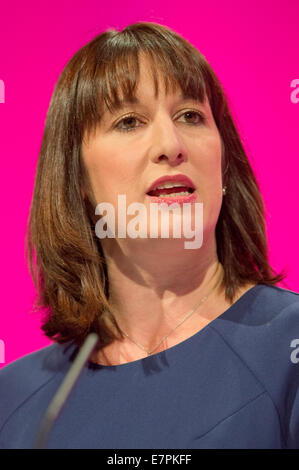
<point>262,324</point>
<point>264,320</point>
<point>262,310</point>
<point>262,330</point>
<point>23,377</point>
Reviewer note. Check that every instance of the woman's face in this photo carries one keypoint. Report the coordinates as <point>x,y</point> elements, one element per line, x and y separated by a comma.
<point>144,141</point>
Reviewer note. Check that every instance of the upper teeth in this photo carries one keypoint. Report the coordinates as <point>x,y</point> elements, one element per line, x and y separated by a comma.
<point>170,185</point>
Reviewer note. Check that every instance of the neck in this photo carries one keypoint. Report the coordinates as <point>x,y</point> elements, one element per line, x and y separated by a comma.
<point>151,292</point>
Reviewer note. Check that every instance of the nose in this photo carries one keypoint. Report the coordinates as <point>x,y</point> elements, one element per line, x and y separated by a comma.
<point>167,144</point>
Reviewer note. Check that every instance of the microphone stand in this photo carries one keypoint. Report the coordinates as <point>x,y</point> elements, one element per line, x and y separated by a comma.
<point>64,391</point>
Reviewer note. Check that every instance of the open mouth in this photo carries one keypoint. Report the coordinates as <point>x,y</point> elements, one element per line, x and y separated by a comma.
<point>171,191</point>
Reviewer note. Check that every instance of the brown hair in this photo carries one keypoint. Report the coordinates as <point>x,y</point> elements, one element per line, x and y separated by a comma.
<point>65,256</point>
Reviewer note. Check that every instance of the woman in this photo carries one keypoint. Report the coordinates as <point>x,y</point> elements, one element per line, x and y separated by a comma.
<point>194,347</point>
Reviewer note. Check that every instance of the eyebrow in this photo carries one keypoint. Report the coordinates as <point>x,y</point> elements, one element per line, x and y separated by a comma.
<point>118,105</point>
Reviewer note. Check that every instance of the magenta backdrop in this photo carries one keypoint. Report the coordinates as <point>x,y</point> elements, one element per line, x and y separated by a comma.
<point>252,46</point>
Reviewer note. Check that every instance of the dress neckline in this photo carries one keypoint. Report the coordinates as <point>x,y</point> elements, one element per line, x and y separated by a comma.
<point>175,348</point>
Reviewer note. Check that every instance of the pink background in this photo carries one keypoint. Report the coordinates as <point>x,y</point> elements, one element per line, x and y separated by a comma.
<point>252,46</point>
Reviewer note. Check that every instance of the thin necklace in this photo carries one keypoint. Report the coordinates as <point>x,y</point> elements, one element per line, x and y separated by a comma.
<point>182,321</point>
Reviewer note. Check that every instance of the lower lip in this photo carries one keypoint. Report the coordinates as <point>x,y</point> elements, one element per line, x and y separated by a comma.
<point>170,200</point>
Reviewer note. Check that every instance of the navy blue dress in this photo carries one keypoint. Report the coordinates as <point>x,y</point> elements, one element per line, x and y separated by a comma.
<point>234,384</point>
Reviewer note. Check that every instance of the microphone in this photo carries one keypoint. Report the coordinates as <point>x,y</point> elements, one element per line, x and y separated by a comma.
<point>64,391</point>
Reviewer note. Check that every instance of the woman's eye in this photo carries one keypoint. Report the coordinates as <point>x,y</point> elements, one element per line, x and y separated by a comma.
<point>195,117</point>
<point>128,123</point>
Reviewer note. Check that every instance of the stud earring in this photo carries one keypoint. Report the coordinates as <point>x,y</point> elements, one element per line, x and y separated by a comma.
<point>224,190</point>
